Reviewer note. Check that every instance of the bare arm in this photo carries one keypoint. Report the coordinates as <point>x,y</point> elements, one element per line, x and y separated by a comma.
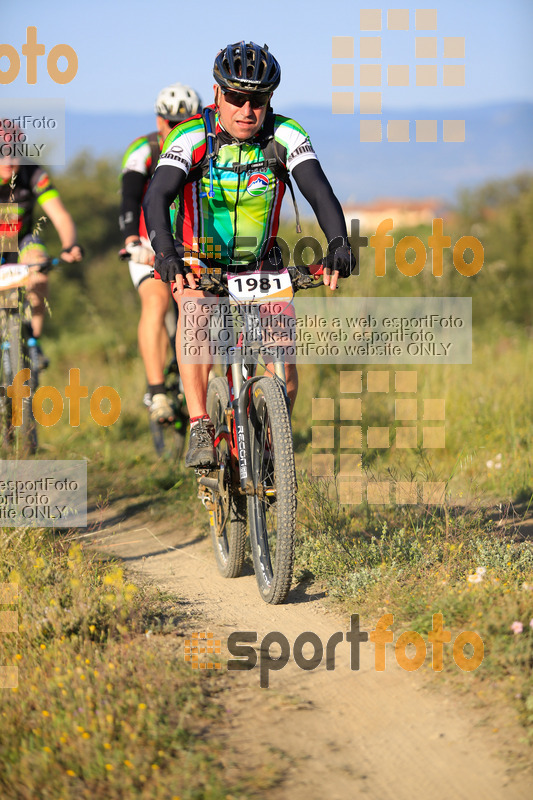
<point>64,225</point>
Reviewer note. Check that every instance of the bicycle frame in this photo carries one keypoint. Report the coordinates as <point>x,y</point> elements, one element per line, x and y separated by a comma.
<point>240,378</point>
<point>240,385</point>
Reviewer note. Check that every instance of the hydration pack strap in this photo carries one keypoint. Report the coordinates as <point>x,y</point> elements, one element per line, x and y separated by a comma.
<point>212,147</point>
<point>272,159</point>
<point>276,164</point>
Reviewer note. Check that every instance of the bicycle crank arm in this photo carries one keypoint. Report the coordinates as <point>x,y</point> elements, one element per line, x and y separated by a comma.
<point>209,483</point>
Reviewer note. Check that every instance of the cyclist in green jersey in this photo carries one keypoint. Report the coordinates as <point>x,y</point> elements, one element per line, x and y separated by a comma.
<point>238,195</point>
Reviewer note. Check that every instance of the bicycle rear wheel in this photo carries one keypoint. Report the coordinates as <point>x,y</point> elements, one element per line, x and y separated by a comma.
<point>228,517</point>
<point>169,438</point>
<point>272,509</point>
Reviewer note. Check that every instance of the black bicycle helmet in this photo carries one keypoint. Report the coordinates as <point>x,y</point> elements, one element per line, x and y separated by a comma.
<point>247,67</point>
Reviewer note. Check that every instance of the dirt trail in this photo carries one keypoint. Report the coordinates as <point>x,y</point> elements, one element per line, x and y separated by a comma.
<point>340,733</point>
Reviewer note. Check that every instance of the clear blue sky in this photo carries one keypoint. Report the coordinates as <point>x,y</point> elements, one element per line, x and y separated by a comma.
<point>128,50</point>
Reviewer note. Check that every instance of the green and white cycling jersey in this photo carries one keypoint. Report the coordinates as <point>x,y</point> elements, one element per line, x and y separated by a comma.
<point>140,157</point>
<point>241,221</point>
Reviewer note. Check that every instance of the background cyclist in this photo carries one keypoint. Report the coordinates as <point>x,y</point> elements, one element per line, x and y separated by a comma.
<point>28,186</point>
<point>174,104</point>
<point>246,76</point>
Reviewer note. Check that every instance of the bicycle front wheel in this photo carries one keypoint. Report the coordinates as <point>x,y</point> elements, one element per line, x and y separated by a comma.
<point>272,509</point>
<point>228,517</point>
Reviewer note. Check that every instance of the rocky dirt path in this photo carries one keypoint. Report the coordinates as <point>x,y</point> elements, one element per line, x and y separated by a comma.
<point>338,734</point>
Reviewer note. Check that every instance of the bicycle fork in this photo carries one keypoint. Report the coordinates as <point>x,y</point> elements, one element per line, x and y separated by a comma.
<point>242,390</point>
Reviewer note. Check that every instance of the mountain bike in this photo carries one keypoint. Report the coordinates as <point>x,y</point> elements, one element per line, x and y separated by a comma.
<point>255,476</point>
<point>19,350</point>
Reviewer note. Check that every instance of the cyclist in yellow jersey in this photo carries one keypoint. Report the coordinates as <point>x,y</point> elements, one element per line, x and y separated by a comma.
<point>174,104</point>
<point>225,202</point>
<point>28,186</point>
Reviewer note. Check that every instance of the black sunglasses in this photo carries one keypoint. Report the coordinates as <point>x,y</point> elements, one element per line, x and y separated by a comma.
<point>240,98</point>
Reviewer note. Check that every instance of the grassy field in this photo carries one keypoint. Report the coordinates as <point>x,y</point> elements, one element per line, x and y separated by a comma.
<point>105,706</point>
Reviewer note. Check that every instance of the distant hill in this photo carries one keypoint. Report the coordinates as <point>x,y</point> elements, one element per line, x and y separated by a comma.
<point>498,144</point>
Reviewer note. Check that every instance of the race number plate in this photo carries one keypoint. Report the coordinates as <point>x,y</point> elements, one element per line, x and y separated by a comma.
<point>12,275</point>
<point>260,286</point>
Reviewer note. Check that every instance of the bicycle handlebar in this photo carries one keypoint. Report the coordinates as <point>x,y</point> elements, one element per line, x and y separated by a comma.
<point>42,266</point>
<point>299,280</point>
<point>45,266</point>
<point>16,275</point>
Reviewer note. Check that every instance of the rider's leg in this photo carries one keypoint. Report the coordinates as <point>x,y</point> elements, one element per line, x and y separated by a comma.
<point>37,296</point>
<point>194,376</point>
<point>291,377</point>
<point>34,252</point>
<point>282,333</point>
<point>152,333</point>
<point>291,380</point>
<point>153,338</point>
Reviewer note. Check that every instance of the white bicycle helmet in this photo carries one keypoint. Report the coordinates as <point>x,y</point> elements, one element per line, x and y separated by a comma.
<point>177,102</point>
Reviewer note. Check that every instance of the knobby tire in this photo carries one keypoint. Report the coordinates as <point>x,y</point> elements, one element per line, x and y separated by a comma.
<point>228,520</point>
<point>272,510</point>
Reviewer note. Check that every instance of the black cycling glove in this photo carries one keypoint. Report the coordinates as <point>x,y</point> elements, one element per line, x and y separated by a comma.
<point>341,259</point>
<point>170,266</point>
<point>71,248</point>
